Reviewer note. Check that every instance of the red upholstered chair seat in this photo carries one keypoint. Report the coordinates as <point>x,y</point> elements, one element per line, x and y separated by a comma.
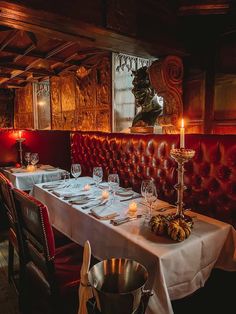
<point>68,261</point>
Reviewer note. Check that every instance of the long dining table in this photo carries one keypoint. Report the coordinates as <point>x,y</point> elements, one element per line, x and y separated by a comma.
<point>176,269</point>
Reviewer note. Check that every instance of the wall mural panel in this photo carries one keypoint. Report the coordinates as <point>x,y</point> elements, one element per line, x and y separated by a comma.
<point>6,108</point>
<point>84,101</point>
<point>23,117</point>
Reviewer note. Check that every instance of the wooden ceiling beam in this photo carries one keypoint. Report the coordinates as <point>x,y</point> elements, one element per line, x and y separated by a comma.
<point>8,39</point>
<point>204,9</point>
<point>11,66</point>
<point>26,52</point>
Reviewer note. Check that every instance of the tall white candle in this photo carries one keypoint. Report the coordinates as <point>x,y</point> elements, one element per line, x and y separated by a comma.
<point>182,139</point>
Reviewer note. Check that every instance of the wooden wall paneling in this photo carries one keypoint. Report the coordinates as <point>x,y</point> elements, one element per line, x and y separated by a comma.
<point>23,117</point>
<point>56,110</point>
<point>194,102</point>
<point>121,16</point>
<point>68,103</point>
<point>6,108</point>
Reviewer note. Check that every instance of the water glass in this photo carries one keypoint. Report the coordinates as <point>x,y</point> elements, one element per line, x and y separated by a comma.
<point>113,183</point>
<point>97,175</point>
<point>34,158</point>
<point>76,171</point>
<point>149,192</point>
<point>27,157</point>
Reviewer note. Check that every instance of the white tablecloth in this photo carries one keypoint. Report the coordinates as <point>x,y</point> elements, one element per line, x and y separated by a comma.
<point>175,269</point>
<point>25,180</point>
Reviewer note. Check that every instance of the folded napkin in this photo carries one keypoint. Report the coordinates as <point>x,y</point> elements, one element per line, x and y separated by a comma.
<point>67,193</point>
<point>52,185</point>
<point>47,167</point>
<point>18,170</point>
<point>103,213</point>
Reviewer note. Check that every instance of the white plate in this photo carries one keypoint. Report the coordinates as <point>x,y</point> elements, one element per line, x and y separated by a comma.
<point>125,193</point>
<point>103,185</point>
<point>50,169</point>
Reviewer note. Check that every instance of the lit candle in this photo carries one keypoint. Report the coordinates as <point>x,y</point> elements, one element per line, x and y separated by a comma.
<point>182,139</point>
<point>87,187</point>
<point>30,168</point>
<point>105,194</point>
<point>20,133</point>
<point>132,209</point>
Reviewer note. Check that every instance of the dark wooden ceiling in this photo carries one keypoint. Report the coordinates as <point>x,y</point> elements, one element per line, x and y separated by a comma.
<point>35,44</point>
<point>28,57</point>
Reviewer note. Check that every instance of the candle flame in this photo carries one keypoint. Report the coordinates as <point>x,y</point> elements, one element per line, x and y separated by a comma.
<point>182,123</point>
<point>20,133</point>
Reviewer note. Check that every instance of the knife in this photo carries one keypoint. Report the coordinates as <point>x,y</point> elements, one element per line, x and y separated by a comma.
<point>131,198</point>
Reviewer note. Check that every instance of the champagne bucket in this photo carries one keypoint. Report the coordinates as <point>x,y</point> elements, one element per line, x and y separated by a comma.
<point>118,285</point>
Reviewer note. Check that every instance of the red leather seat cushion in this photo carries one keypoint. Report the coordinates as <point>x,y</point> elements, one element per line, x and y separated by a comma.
<point>68,262</point>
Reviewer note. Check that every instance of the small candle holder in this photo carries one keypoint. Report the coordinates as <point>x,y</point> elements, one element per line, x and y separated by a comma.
<point>30,168</point>
<point>20,140</point>
<point>132,212</point>
<point>87,187</point>
<point>105,194</point>
<point>181,155</point>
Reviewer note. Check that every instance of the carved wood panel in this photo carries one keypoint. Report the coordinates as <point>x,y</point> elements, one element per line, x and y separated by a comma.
<point>23,116</point>
<point>83,102</point>
<point>6,108</point>
<point>166,76</point>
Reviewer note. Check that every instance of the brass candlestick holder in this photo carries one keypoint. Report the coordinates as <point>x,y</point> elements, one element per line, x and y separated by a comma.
<point>20,140</point>
<point>181,155</point>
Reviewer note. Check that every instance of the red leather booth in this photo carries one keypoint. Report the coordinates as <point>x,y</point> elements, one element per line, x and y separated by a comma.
<point>210,176</point>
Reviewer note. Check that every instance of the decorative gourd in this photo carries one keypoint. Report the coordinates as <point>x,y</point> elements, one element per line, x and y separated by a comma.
<point>158,224</point>
<point>179,229</point>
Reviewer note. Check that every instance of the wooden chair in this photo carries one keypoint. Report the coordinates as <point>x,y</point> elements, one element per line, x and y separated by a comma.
<point>52,275</point>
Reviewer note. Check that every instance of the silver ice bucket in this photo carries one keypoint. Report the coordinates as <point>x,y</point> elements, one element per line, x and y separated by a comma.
<point>118,285</point>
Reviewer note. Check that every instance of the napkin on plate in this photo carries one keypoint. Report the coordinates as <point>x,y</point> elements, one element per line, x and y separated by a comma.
<point>52,185</point>
<point>47,167</point>
<point>104,213</point>
<point>67,193</point>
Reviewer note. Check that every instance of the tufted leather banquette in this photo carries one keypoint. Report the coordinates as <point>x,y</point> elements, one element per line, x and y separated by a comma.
<point>210,177</point>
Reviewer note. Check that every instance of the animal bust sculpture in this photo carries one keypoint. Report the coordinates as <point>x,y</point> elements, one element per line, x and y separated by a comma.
<point>145,98</point>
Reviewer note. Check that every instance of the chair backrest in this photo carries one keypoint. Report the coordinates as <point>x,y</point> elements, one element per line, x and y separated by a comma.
<point>6,189</point>
<point>37,234</point>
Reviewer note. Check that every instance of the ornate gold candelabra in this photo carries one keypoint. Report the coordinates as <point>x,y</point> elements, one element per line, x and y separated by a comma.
<point>181,155</point>
<point>20,140</point>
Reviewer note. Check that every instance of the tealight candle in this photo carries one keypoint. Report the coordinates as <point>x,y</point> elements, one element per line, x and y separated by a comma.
<point>87,187</point>
<point>30,168</point>
<point>132,209</point>
<point>105,194</point>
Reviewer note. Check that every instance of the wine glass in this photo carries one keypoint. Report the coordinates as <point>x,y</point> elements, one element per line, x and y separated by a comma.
<point>27,158</point>
<point>34,158</point>
<point>76,172</point>
<point>97,175</point>
<point>113,183</point>
<point>149,192</point>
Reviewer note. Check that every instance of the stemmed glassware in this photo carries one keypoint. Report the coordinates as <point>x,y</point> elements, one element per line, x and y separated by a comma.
<point>149,192</point>
<point>113,183</point>
<point>76,172</point>
<point>97,175</point>
<point>34,158</point>
<point>27,158</point>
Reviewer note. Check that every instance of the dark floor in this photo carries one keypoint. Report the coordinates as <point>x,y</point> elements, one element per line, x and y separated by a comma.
<point>8,296</point>
<point>217,297</point>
